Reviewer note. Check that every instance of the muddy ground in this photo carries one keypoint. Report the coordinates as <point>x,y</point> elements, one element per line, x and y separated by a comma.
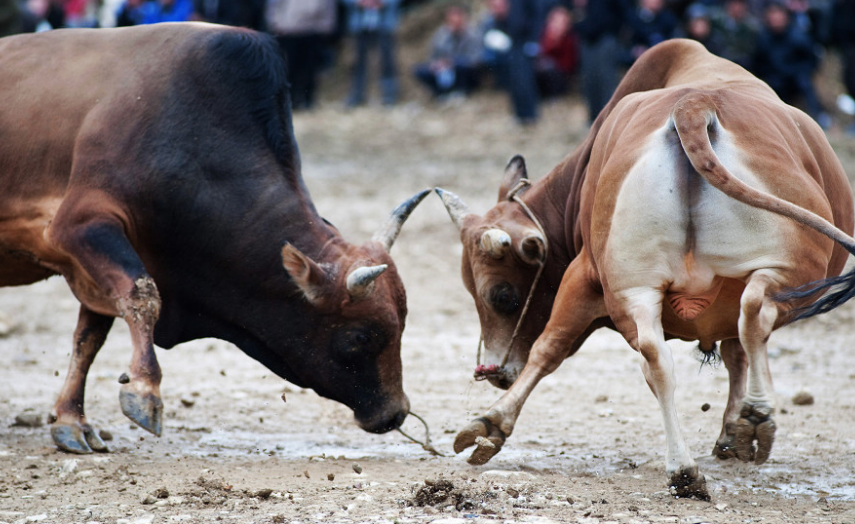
<point>588,448</point>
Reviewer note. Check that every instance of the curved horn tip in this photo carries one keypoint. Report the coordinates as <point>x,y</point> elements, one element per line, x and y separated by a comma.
<point>457,209</point>
<point>359,281</point>
<point>388,233</point>
<point>516,161</point>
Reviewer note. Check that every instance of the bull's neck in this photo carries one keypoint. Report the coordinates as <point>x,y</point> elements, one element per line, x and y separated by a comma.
<point>554,200</point>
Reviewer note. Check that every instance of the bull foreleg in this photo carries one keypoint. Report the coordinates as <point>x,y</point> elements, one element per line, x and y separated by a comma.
<point>106,257</point>
<point>758,313</point>
<point>737,368</point>
<point>577,305</point>
<point>71,431</point>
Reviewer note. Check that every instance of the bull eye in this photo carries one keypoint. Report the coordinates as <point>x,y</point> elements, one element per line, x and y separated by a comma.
<point>504,299</point>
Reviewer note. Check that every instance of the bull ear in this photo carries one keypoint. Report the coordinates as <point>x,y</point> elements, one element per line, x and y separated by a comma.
<point>387,234</point>
<point>533,248</point>
<point>457,209</point>
<point>305,272</point>
<point>514,172</point>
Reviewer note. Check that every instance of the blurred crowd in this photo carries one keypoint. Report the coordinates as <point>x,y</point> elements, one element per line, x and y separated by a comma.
<point>536,49</point>
<point>531,49</point>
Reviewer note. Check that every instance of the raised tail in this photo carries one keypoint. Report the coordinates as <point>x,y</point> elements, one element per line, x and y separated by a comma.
<point>694,118</point>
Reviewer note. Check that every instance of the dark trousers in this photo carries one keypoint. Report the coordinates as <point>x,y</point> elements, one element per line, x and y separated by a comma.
<point>599,73</point>
<point>522,85</point>
<point>465,79</point>
<point>384,42</point>
<point>305,54</point>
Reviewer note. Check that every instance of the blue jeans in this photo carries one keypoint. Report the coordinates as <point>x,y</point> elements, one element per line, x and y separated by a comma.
<point>365,42</point>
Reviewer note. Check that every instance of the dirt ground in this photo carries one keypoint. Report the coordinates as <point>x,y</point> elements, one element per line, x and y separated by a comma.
<point>588,448</point>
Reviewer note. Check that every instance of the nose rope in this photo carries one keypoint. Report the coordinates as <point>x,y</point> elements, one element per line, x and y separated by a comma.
<point>513,196</point>
<point>426,445</point>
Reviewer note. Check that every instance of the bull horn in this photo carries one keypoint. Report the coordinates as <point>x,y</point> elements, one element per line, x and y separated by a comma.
<point>387,234</point>
<point>495,242</point>
<point>456,208</point>
<point>360,280</point>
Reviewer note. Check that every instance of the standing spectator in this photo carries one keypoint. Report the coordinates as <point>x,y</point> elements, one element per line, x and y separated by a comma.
<point>10,18</point>
<point>373,24</point>
<point>599,23</point>
<point>454,56</point>
<point>156,11</point>
<point>650,24</point>
<point>35,16</point>
<point>302,28</point>
<point>699,28</point>
<point>241,13</point>
<point>130,13</point>
<point>737,30</point>
<point>844,39</point>
<point>521,29</point>
<point>785,59</point>
<point>496,43</point>
<point>559,54</point>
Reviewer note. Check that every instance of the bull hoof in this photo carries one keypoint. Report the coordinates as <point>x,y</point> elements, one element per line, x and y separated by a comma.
<point>146,409</point>
<point>77,438</point>
<point>483,434</point>
<point>755,423</point>
<point>687,483</point>
<point>725,447</point>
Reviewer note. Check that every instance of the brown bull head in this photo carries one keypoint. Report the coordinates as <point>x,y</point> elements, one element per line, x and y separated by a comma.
<point>502,253</point>
<point>357,292</point>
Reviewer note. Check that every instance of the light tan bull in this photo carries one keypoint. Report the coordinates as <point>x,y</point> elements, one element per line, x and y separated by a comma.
<point>703,201</point>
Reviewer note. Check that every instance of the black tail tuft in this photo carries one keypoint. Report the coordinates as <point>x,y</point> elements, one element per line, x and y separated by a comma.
<point>708,357</point>
<point>837,290</point>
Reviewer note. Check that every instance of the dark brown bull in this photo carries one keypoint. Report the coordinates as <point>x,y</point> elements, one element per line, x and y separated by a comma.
<point>680,216</point>
<point>155,168</point>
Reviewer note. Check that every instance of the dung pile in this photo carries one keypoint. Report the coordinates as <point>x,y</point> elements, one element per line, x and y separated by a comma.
<point>442,493</point>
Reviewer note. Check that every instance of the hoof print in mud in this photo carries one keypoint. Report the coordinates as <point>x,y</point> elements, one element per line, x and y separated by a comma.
<point>483,434</point>
<point>755,424</point>
<point>689,484</point>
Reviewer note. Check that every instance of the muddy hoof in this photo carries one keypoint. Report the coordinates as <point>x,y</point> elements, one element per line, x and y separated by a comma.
<point>145,409</point>
<point>755,423</point>
<point>77,438</point>
<point>483,434</point>
<point>725,448</point>
<point>687,483</point>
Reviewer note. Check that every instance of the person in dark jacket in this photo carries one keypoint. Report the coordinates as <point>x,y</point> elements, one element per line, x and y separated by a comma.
<point>599,22</point>
<point>650,24</point>
<point>786,59</point>
<point>844,39</point>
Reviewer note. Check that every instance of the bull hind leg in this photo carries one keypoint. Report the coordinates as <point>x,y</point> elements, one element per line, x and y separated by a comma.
<point>735,361</point>
<point>644,308</point>
<point>71,431</point>
<point>757,316</point>
<point>99,245</point>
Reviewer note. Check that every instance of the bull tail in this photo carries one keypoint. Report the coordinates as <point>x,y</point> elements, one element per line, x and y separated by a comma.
<point>694,118</point>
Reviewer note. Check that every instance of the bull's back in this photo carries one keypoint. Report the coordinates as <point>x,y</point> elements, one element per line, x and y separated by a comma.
<point>76,104</point>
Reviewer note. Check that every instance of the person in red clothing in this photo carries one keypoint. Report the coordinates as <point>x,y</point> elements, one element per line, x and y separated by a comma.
<point>559,54</point>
